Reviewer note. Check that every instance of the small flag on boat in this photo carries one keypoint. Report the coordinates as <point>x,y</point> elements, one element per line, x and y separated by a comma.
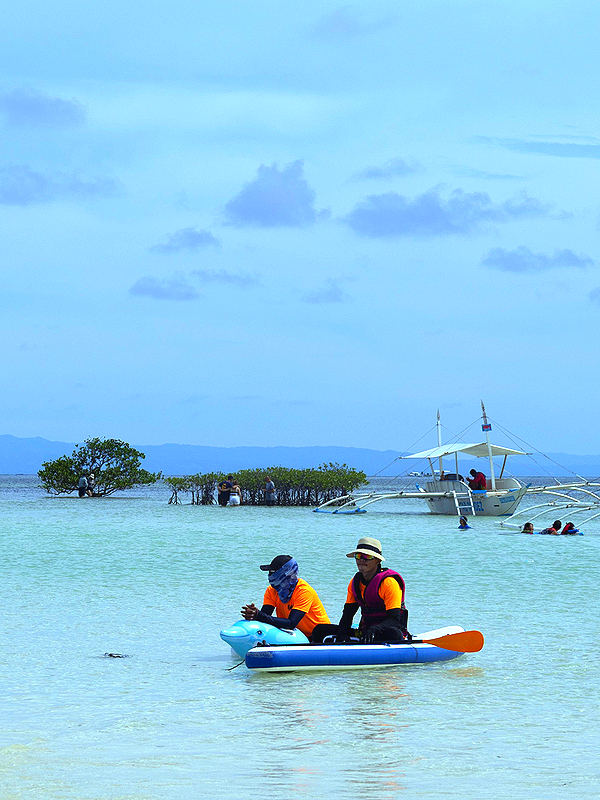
<point>486,427</point>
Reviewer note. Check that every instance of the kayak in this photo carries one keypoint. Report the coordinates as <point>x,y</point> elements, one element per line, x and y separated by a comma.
<point>277,658</point>
<point>266,648</point>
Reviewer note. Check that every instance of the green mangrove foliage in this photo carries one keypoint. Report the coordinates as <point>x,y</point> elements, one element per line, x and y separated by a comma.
<point>201,488</point>
<point>293,487</point>
<point>115,465</point>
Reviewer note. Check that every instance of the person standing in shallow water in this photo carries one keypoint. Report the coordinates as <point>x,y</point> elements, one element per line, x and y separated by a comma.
<point>82,486</point>
<point>224,491</point>
<point>235,498</point>
<point>269,492</point>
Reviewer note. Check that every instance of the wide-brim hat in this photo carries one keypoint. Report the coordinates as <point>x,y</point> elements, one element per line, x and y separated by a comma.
<point>276,564</point>
<point>368,547</point>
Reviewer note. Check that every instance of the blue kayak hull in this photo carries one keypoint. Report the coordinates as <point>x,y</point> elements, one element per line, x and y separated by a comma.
<point>341,656</point>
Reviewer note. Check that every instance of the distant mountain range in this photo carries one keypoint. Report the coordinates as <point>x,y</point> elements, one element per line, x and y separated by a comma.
<point>25,456</point>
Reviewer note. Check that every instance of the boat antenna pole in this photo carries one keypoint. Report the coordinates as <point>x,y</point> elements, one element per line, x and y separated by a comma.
<point>439,437</point>
<point>486,428</point>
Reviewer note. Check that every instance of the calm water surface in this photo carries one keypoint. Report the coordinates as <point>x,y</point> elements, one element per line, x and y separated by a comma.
<point>133,575</point>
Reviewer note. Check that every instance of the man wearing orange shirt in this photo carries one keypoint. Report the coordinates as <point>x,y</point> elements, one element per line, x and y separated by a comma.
<point>379,593</point>
<point>295,601</point>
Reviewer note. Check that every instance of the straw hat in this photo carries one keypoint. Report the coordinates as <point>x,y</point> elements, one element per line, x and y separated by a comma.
<point>369,547</point>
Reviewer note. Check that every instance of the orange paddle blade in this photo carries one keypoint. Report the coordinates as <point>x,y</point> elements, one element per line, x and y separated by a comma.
<point>464,642</point>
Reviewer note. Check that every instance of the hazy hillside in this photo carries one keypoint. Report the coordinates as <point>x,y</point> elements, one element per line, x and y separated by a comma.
<point>26,456</point>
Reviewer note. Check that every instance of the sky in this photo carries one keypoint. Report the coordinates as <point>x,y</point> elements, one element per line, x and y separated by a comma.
<point>282,223</point>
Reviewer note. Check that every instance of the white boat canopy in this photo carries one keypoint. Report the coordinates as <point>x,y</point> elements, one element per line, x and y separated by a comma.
<point>481,450</point>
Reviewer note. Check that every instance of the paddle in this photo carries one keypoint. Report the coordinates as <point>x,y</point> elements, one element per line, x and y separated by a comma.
<point>464,642</point>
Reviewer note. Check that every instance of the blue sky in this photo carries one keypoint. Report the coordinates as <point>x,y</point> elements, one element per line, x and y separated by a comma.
<point>277,223</point>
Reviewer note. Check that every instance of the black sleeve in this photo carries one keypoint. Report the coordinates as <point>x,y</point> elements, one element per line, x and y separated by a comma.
<point>348,613</point>
<point>264,615</point>
<point>394,619</point>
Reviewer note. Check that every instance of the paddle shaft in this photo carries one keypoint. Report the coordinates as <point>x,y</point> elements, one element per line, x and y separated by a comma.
<point>463,642</point>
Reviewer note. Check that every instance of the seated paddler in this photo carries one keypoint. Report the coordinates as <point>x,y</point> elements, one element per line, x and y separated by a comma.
<point>296,603</point>
<point>379,593</point>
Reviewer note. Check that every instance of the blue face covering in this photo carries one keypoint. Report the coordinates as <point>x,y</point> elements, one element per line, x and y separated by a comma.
<point>284,580</point>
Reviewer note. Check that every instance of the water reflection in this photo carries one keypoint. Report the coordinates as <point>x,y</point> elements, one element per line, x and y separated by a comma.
<point>342,732</point>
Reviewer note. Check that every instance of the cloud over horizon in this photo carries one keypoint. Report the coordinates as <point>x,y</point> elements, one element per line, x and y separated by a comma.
<point>242,280</point>
<point>560,149</point>
<point>393,168</point>
<point>344,23</point>
<point>180,287</point>
<point>27,106</point>
<point>430,214</point>
<point>275,198</point>
<point>175,288</point>
<point>523,260</point>
<point>185,239</point>
<point>470,172</point>
<point>22,186</point>
<point>332,292</point>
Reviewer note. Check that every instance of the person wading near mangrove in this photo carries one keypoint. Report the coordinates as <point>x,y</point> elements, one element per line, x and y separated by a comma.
<point>379,593</point>
<point>224,490</point>
<point>295,601</point>
<point>82,486</point>
<point>269,492</point>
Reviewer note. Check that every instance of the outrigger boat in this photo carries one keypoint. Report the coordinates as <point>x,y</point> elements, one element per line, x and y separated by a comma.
<point>449,493</point>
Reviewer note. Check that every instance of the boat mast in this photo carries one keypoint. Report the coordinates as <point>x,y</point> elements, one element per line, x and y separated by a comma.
<point>486,428</point>
<point>439,437</point>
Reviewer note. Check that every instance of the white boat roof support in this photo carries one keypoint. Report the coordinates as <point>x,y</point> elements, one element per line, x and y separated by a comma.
<point>477,450</point>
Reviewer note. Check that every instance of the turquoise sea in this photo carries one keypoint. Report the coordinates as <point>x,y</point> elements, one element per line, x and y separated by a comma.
<point>135,576</point>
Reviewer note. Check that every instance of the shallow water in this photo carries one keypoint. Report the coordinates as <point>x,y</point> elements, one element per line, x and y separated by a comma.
<point>135,576</point>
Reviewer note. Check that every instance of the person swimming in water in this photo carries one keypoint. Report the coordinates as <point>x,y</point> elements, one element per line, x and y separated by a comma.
<point>528,527</point>
<point>554,529</point>
<point>463,525</point>
<point>569,530</point>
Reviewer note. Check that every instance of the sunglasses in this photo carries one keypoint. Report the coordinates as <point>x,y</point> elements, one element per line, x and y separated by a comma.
<point>363,557</point>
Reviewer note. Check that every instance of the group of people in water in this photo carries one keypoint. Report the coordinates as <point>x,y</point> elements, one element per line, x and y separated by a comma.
<point>556,529</point>
<point>290,602</point>
<point>86,485</point>
<point>230,494</point>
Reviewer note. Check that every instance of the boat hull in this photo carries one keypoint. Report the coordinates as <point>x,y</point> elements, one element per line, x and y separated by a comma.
<point>293,658</point>
<point>501,503</point>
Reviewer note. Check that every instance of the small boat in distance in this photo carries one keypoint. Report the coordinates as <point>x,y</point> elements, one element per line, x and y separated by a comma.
<point>449,493</point>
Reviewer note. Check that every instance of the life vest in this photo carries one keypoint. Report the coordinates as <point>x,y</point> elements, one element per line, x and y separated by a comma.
<point>371,605</point>
<point>569,530</point>
<point>479,482</point>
